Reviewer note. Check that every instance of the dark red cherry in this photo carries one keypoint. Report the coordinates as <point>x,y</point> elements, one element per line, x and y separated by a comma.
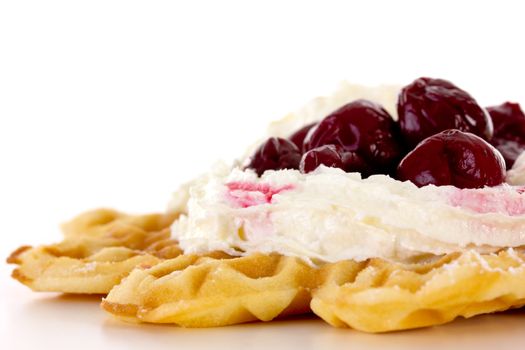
<point>453,157</point>
<point>364,128</point>
<point>352,162</point>
<point>298,137</point>
<point>334,157</point>
<point>275,154</point>
<point>328,155</point>
<point>509,130</point>
<point>428,106</point>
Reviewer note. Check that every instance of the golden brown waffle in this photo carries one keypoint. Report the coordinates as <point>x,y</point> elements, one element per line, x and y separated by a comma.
<point>371,296</point>
<point>380,296</point>
<point>100,247</point>
<point>193,291</point>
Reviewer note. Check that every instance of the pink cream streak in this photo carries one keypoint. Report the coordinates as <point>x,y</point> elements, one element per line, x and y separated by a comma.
<point>249,194</point>
<point>257,225</point>
<point>505,201</point>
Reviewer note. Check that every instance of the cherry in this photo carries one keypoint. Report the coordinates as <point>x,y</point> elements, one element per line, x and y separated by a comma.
<point>298,137</point>
<point>428,106</point>
<point>453,157</point>
<point>275,154</point>
<point>509,130</point>
<point>332,156</point>
<point>328,155</point>
<point>362,127</point>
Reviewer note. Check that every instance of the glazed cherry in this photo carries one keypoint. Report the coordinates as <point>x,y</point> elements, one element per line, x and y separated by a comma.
<point>298,137</point>
<point>453,157</point>
<point>364,128</point>
<point>334,157</point>
<point>509,131</point>
<point>275,154</point>
<point>428,106</point>
<point>328,155</point>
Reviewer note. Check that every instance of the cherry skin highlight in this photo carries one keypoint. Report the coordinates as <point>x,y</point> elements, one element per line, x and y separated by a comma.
<point>455,158</point>
<point>509,130</point>
<point>328,155</point>
<point>363,128</point>
<point>298,137</point>
<point>275,154</point>
<point>429,106</point>
<point>334,157</point>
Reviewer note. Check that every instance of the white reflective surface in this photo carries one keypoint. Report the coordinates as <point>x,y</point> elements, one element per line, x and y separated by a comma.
<point>116,103</point>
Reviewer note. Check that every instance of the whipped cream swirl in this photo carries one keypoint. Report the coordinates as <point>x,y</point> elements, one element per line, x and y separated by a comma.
<point>330,215</point>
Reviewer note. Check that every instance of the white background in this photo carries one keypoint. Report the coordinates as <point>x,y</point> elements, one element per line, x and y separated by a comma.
<point>115,103</point>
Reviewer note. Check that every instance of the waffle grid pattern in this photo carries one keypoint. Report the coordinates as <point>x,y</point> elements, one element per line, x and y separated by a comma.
<point>100,247</point>
<point>149,280</point>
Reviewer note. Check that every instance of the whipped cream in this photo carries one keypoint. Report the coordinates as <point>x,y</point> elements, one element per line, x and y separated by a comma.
<point>516,175</point>
<point>330,215</point>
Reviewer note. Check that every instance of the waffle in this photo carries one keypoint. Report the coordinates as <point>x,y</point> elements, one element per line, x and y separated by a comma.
<point>100,247</point>
<point>193,291</point>
<point>380,296</point>
<point>371,296</point>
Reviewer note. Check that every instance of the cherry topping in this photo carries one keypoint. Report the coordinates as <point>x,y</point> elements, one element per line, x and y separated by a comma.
<point>428,106</point>
<point>509,130</point>
<point>453,157</point>
<point>362,127</point>
<point>328,155</point>
<point>298,137</point>
<point>275,154</point>
<point>332,156</point>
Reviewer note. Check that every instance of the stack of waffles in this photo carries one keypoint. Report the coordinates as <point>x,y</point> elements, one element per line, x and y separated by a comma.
<point>146,277</point>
